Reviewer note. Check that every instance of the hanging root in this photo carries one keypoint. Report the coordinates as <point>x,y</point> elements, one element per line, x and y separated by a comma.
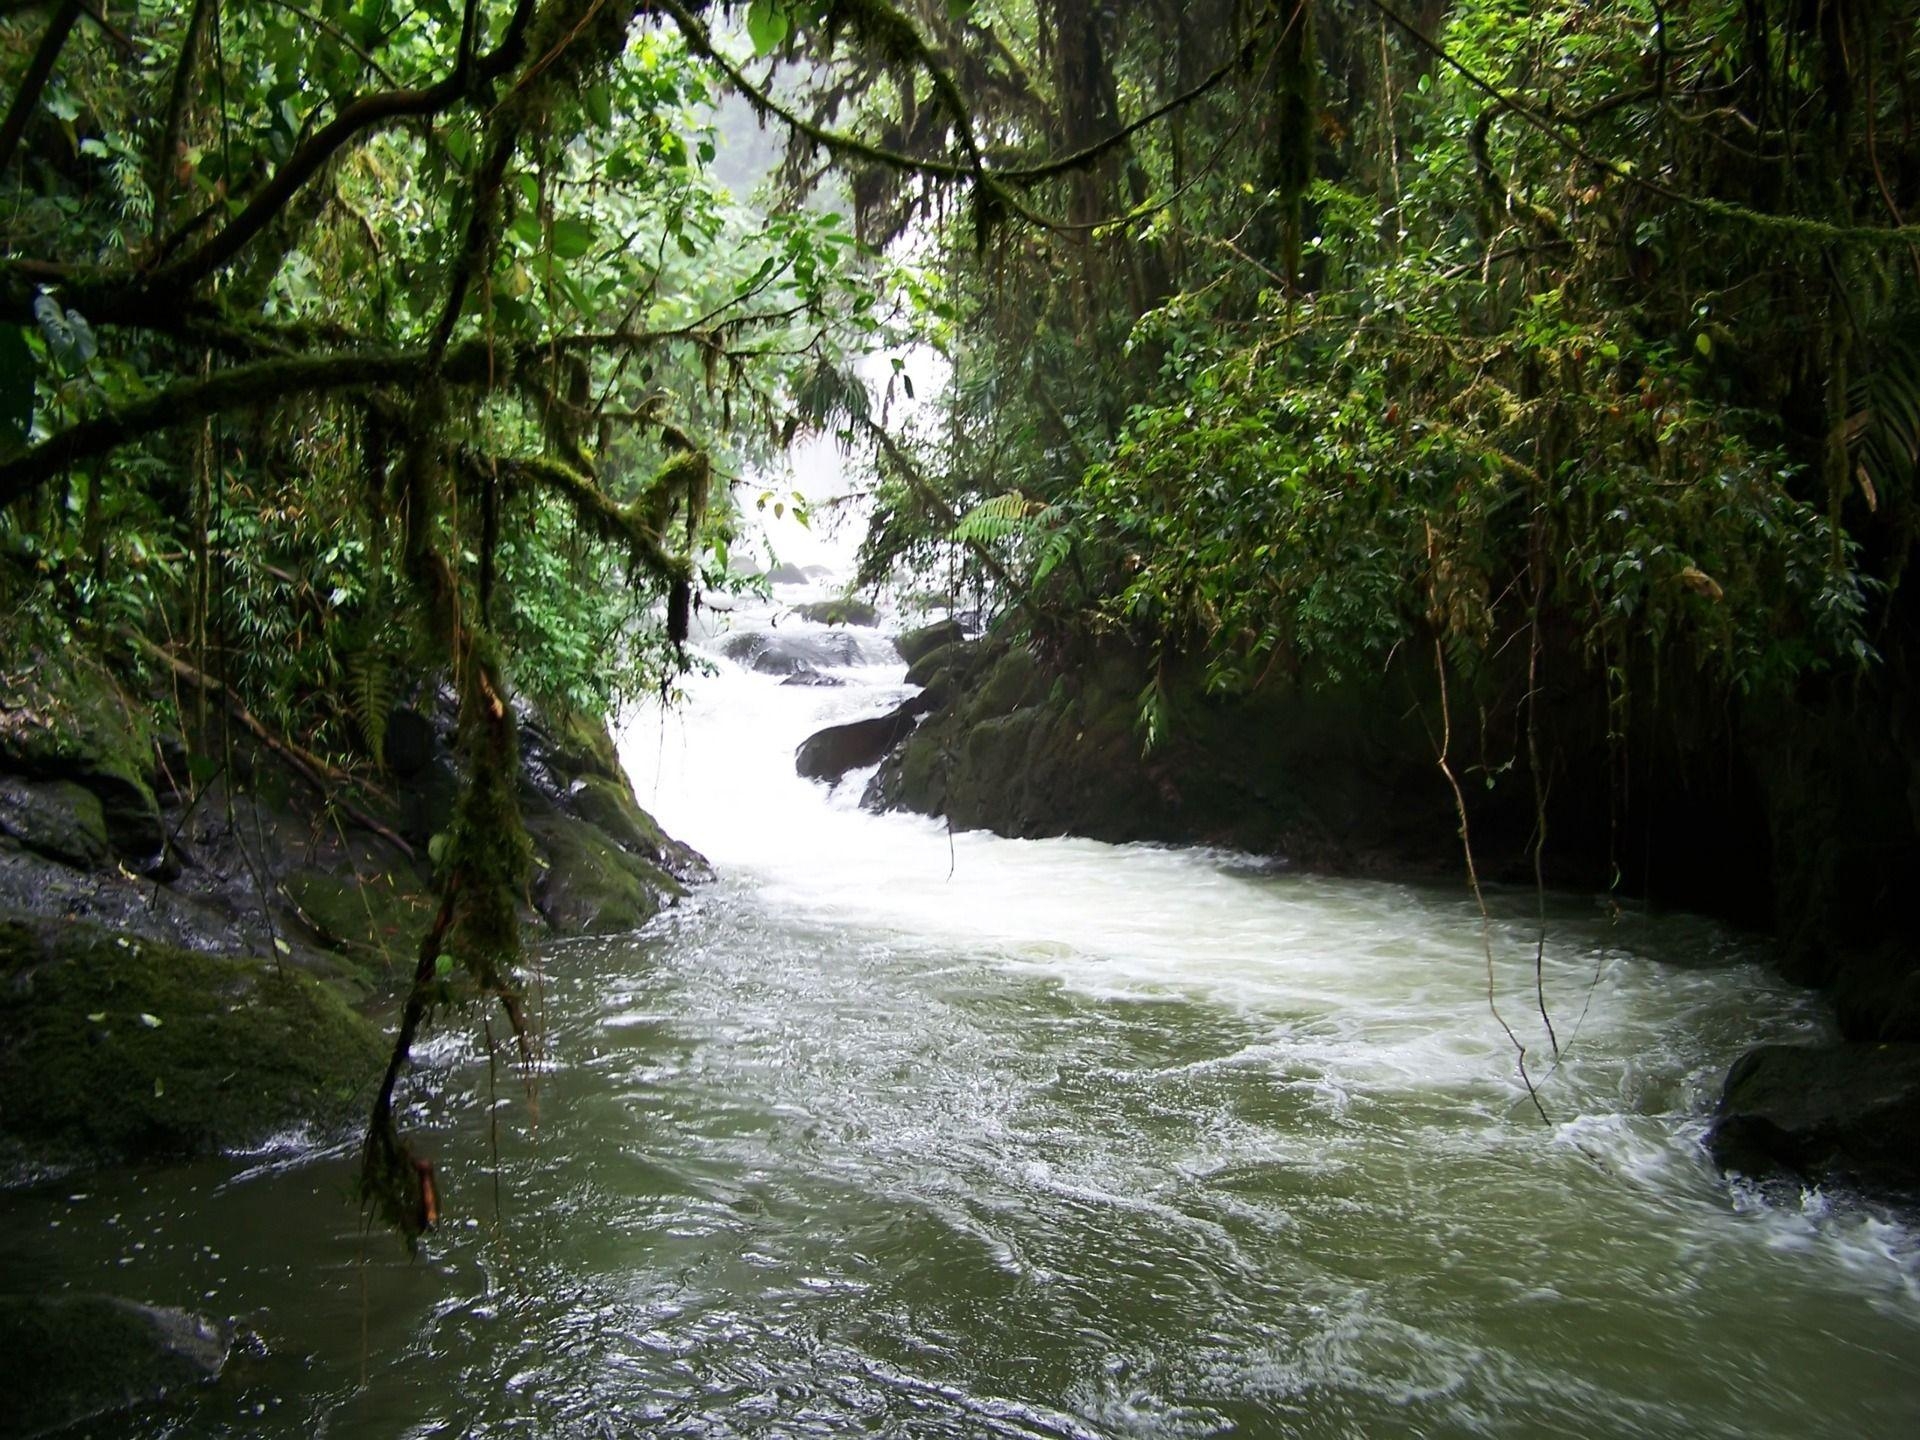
<point>1473,876</point>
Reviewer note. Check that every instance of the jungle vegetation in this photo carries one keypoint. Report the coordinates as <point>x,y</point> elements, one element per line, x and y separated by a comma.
<point>346,345</point>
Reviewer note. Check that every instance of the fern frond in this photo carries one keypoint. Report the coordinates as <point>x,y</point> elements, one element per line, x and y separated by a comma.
<point>1884,429</point>
<point>996,518</point>
<point>370,691</point>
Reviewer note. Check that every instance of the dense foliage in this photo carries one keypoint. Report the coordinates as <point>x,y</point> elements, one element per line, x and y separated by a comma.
<point>1457,322</point>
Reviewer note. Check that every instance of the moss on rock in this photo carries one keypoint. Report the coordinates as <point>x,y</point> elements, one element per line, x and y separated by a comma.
<point>589,885</point>
<point>376,923</point>
<point>67,1358</point>
<point>65,719</point>
<point>115,1048</point>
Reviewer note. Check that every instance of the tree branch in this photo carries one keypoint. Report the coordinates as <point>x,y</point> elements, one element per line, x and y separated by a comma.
<point>39,70</point>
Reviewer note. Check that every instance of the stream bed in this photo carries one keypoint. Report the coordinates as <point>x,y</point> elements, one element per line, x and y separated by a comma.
<point>890,1131</point>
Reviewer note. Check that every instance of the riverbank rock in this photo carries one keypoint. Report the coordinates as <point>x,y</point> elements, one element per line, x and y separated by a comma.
<point>69,1358</point>
<point>65,722</point>
<point>115,1048</point>
<point>1848,1113</point>
<point>912,644</point>
<point>830,753</point>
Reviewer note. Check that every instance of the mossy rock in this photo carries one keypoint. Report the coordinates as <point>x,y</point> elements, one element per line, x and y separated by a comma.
<point>65,719</point>
<point>589,885</point>
<point>609,805</point>
<point>115,1048</point>
<point>377,923</point>
<point>941,657</point>
<point>912,644</point>
<point>839,612</point>
<point>60,819</point>
<point>69,1358</point>
<point>1014,681</point>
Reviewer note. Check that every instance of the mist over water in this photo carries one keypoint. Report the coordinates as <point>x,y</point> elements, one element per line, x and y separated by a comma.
<point>900,1132</point>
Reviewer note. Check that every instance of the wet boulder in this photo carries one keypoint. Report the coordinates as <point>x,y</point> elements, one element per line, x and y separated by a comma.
<point>914,644</point>
<point>115,1048</point>
<point>59,819</point>
<point>64,719</point>
<point>775,653</point>
<point>816,678</point>
<point>69,1358</point>
<point>828,754</point>
<point>586,884</point>
<point>1847,1113</point>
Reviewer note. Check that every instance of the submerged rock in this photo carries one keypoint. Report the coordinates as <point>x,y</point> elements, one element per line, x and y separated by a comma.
<point>69,1358</point>
<point>828,754</point>
<point>814,678</point>
<point>1847,1113</point>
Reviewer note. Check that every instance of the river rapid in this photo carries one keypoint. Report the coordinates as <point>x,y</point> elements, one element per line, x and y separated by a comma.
<point>899,1132</point>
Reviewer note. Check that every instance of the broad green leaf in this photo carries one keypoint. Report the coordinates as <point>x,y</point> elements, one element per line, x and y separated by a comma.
<point>571,238</point>
<point>767,25</point>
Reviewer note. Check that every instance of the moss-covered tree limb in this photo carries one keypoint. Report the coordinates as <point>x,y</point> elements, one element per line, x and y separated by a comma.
<point>327,780</point>
<point>597,513</point>
<point>263,382</point>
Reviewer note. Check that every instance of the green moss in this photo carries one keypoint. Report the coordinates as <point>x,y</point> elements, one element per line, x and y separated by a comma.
<point>62,717</point>
<point>592,887</point>
<point>377,923</point>
<point>64,1358</point>
<point>609,805</point>
<point>1014,681</point>
<point>114,1047</point>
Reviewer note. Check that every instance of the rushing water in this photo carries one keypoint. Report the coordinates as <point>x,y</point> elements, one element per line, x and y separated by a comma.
<point>897,1132</point>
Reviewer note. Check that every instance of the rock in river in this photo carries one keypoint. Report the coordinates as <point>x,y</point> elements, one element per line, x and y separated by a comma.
<point>828,754</point>
<point>1842,1112</point>
<point>787,654</point>
<point>67,1358</point>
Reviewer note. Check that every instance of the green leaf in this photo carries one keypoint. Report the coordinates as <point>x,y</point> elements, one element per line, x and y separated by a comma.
<point>150,1020</point>
<point>1704,344</point>
<point>443,965</point>
<point>767,25</point>
<point>571,239</point>
<point>597,100</point>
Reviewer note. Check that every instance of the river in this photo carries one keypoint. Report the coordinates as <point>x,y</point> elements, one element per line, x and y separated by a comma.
<point>896,1132</point>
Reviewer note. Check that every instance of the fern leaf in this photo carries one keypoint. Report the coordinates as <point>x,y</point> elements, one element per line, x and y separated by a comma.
<point>995,519</point>
<point>369,674</point>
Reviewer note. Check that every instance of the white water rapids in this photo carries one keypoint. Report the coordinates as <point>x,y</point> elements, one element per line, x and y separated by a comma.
<point>895,1132</point>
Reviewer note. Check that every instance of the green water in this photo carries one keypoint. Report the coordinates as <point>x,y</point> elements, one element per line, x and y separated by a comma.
<point>896,1133</point>
<point>780,1177</point>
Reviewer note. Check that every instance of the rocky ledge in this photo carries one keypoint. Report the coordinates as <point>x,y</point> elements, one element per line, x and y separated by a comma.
<point>188,949</point>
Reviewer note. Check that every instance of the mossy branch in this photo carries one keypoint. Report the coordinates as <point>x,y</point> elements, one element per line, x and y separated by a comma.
<point>263,382</point>
<point>600,515</point>
<point>327,780</point>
